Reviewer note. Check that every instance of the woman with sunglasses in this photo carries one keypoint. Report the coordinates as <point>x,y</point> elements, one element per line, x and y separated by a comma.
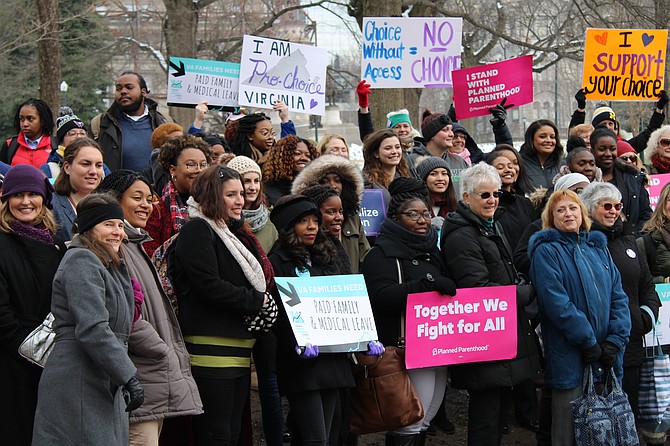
<point>658,151</point>
<point>184,158</point>
<point>625,177</point>
<point>603,201</point>
<point>477,254</point>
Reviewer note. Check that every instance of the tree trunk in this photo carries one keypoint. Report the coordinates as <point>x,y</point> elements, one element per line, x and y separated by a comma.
<point>384,100</point>
<point>49,53</point>
<point>180,31</point>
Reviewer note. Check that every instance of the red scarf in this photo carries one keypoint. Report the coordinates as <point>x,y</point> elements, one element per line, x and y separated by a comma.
<point>659,164</point>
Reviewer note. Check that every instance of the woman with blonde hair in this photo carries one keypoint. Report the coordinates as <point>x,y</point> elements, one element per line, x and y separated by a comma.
<point>333,144</point>
<point>582,306</point>
<point>30,256</point>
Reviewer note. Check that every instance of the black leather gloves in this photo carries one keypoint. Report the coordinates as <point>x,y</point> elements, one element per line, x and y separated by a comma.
<point>133,394</point>
<point>608,355</point>
<point>591,354</point>
<point>580,97</point>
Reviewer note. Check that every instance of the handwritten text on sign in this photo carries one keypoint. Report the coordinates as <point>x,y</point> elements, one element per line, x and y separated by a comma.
<point>478,324</point>
<point>272,70</point>
<point>656,183</point>
<point>624,64</point>
<point>401,52</point>
<point>192,80</point>
<point>479,88</point>
<point>329,311</point>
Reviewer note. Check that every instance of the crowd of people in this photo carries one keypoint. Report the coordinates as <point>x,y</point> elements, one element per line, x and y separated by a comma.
<point>156,250</point>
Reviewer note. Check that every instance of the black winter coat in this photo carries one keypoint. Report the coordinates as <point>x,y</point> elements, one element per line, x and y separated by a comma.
<point>635,197</point>
<point>27,269</point>
<point>295,375</point>
<point>540,175</point>
<point>476,256</point>
<point>388,296</point>
<point>637,283</point>
<point>214,294</point>
<point>515,213</point>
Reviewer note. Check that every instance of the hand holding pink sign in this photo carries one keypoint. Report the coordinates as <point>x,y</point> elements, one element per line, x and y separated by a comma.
<point>478,324</point>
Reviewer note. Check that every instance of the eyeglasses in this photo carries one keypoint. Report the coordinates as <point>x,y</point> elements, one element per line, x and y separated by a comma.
<point>487,195</point>
<point>415,216</point>
<point>630,158</point>
<point>609,206</point>
<point>195,167</point>
<point>75,132</point>
<point>460,136</point>
<point>664,142</point>
<point>266,133</point>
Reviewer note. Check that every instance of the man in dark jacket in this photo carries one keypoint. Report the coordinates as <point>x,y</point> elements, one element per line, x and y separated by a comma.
<point>124,131</point>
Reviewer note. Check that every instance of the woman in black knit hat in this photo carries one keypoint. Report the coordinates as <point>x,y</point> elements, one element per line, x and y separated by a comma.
<point>170,390</point>
<point>407,242</point>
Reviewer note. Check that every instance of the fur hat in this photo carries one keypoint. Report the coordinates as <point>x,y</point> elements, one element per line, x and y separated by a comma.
<point>426,165</point>
<point>242,164</point>
<point>601,114</point>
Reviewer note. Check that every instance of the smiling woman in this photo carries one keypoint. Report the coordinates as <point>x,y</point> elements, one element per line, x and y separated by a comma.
<point>542,152</point>
<point>81,173</point>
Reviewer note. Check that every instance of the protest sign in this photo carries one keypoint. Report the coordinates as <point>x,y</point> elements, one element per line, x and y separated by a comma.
<point>415,52</point>
<point>663,323</point>
<point>479,88</point>
<point>331,312</point>
<point>373,211</point>
<point>624,64</point>
<point>478,324</point>
<point>272,70</point>
<point>191,81</point>
<point>656,183</point>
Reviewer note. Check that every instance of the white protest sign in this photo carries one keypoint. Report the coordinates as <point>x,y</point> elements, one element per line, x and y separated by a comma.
<point>272,70</point>
<point>191,81</point>
<point>663,322</point>
<point>416,52</point>
<point>331,312</point>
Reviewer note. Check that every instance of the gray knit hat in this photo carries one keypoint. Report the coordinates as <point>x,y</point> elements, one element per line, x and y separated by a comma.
<point>428,164</point>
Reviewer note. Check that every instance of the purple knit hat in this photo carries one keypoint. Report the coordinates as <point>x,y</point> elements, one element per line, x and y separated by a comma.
<point>26,178</point>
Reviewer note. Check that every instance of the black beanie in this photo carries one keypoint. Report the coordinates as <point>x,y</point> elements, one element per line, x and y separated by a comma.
<point>291,208</point>
<point>432,124</point>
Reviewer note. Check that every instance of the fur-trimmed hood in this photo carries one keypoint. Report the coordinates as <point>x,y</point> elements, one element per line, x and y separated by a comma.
<point>352,179</point>
<point>594,238</point>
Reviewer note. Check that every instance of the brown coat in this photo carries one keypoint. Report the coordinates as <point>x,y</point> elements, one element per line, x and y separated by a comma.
<point>156,345</point>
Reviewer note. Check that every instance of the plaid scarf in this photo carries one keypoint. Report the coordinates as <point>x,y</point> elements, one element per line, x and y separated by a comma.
<point>178,209</point>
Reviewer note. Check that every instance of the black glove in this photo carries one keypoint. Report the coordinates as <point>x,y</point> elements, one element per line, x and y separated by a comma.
<point>499,113</point>
<point>581,99</point>
<point>445,286</point>
<point>452,113</point>
<point>647,322</point>
<point>133,394</point>
<point>608,356</point>
<point>592,354</point>
<point>663,100</point>
<point>525,293</point>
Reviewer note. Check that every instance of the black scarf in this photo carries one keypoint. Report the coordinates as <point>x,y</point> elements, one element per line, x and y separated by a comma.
<point>417,242</point>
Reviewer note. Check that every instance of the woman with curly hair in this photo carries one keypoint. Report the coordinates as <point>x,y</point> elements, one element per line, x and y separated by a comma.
<point>184,158</point>
<point>384,160</point>
<point>284,163</point>
<point>254,137</point>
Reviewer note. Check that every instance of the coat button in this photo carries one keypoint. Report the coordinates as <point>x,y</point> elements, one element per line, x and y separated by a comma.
<point>415,262</point>
<point>429,276</point>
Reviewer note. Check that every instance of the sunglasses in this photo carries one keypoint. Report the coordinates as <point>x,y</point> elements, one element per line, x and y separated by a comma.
<point>664,142</point>
<point>609,206</point>
<point>487,195</point>
<point>630,158</point>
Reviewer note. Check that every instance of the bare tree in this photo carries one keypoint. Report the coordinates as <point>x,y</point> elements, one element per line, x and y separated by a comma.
<point>49,53</point>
